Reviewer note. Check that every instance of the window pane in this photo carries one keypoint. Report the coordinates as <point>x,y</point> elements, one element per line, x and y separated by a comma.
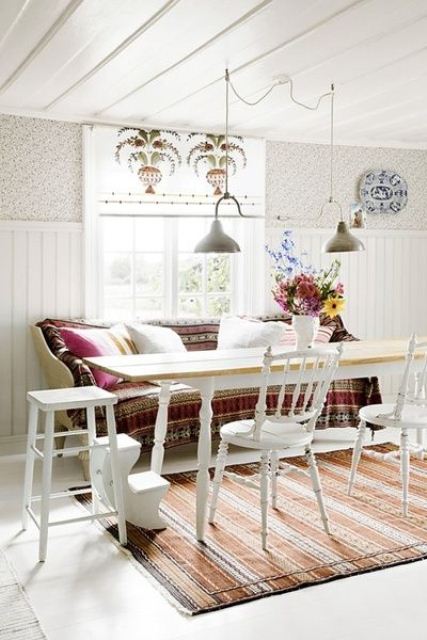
<point>190,232</point>
<point>118,235</point>
<point>117,274</point>
<point>117,309</point>
<point>149,235</point>
<point>190,273</point>
<point>148,308</point>
<point>218,273</point>
<point>148,274</point>
<point>190,306</point>
<point>217,305</point>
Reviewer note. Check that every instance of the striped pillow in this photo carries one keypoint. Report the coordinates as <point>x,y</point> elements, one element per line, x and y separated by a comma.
<point>89,343</point>
<point>288,338</point>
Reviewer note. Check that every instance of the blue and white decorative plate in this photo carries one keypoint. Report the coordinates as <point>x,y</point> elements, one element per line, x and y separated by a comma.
<point>383,191</point>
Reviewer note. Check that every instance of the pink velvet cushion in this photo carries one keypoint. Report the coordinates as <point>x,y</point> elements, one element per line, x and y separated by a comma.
<point>89,343</point>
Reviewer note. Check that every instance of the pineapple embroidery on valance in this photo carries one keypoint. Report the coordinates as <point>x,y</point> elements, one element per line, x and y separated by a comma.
<point>167,172</point>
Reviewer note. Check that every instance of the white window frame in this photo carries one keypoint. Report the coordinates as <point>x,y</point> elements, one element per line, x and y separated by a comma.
<point>248,269</point>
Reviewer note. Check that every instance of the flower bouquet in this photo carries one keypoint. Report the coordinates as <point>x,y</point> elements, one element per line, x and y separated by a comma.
<point>303,292</point>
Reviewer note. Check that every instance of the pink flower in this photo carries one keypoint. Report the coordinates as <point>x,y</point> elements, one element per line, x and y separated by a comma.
<point>339,288</point>
<point>306,290</point>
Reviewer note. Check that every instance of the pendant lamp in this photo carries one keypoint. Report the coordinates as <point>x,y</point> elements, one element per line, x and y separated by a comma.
<point>217,241</point>
<point>343,240</point>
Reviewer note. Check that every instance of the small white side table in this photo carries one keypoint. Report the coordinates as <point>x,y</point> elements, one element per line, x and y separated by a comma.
<point>49,401</point>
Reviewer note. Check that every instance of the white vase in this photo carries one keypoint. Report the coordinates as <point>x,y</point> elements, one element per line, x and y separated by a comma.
<point>306,328</point>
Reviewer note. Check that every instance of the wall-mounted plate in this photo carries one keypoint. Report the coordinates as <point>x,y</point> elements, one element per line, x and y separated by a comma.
<point>383,191</point>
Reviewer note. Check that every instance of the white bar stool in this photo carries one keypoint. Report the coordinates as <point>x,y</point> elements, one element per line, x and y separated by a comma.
<point>49,401</point>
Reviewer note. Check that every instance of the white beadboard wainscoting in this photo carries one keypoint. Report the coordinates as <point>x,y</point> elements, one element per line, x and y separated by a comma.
<point>41,276</point>
<point>386,285</point>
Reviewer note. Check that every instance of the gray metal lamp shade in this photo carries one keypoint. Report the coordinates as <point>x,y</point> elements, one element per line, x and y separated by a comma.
<point>217,241</point>
<point>343,241</point>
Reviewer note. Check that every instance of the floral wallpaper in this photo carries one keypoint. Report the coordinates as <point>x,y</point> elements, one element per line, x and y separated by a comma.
<point>40,170</point>
<point>41,176</point>
<point>297,183</point>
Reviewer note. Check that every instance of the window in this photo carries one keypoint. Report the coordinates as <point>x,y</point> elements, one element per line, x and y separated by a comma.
<point>139,249</point>
<point>149,269</point>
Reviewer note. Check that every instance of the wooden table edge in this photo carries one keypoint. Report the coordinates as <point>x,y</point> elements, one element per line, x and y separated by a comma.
<point>248,370</point>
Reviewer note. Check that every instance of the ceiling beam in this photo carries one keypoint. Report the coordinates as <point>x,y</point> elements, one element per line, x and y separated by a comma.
<point>117,51</point>
<point>14,22</point>
<point>247,16</point>
<point>317,121</point>
<point>262,56</point>
<point>57,25</point>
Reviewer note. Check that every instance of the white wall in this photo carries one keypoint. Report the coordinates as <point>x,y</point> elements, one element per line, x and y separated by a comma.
<point>40,247</point>
<point>386,286</point>
<point>40,276</point>
<point>41,241</point>
<point>385,289</point>
<point>297,183</point>
<point>40,170</point>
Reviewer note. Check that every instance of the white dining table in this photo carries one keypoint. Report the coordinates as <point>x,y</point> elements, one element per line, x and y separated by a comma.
<point>210,371</point>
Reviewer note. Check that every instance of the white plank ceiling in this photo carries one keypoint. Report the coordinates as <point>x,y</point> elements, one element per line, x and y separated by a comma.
<point>159,62</point>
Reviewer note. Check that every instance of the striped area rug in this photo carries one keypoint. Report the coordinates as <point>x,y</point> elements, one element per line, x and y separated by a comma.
<point>368,533</point>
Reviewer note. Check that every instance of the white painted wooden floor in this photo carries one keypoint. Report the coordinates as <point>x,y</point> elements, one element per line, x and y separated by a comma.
<point>89,590</point>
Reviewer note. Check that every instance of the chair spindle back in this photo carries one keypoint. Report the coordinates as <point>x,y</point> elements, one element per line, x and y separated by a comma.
<point>306,378</point>
<point>412,392</point>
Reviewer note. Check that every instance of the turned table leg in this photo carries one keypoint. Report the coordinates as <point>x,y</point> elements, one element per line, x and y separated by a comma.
<point>206,387</point>
<point>160,428</point>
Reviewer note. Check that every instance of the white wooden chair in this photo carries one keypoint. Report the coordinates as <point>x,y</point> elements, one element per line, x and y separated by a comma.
<point>409,412</point>
<point>287,428</point>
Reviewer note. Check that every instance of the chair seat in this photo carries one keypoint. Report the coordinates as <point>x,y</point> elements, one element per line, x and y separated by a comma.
<point>413,417</point>
<point>71,398</point>
<point>274,436</point>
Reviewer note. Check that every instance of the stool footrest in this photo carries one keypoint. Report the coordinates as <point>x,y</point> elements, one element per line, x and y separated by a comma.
<point>92,516</point>
<point>56,523</point>
<point>60,452</point>
<point>69,450</point>
<point>64,494</point>
<point>60,434</point>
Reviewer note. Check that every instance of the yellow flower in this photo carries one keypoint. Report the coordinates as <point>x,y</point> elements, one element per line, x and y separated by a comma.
<point>333,306</point>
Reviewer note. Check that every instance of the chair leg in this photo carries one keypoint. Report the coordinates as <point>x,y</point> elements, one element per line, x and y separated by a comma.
<point>59,442</point>
<point>357,452</point>
<point>115,471</point>
<point>317,488</point>
<point>420,443</point>
<point>274,463</point>
<point>46,484</point>
<point>91,432</point>
<point>29,463</point>
<point>264,497</point>
<point>404,469</point>
<point>219,472</point>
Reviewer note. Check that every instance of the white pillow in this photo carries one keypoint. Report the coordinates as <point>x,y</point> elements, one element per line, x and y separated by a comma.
<point>241,333</point>
<point>150,339</point>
